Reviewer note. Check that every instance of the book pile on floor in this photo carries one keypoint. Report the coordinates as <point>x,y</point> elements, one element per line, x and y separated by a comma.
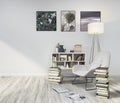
<point>102,82</point>
<point>54,74</point>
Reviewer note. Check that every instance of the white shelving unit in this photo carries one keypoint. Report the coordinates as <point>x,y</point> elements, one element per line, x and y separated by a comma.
<point>66,60</point>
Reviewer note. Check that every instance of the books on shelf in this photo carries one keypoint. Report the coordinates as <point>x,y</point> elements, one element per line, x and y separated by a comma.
<point>54,75</point>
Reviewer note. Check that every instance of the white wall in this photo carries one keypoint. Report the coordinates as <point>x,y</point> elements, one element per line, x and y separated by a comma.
<point>23,50</point>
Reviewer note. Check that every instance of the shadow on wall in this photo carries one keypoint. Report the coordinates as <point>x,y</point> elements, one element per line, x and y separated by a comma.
<point>14,62</point>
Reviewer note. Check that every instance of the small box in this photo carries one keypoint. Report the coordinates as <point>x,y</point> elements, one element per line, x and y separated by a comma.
<point>77,48</point>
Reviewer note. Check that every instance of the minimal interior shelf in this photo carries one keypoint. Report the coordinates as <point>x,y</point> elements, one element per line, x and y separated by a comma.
<point>67,60</point>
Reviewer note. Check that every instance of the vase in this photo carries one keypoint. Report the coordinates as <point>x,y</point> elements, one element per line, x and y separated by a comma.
<point>61,49</point>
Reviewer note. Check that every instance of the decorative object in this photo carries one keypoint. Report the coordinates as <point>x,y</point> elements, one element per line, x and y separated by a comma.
<point>54,64</point>
<point>69,58</point>
<point>57,47</point>
<point>71,50</point>
<point>87,17</point>
<point>46,20</point>
<point>61,49</point>
<point>77,48</point>
<point>79,58</point>
<point>68,21</point>
<point>95,29</point>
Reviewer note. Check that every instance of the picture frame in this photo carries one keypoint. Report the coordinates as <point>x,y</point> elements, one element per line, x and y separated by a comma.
<point>46,20</point>
<point>87,17</point>
<point>68,21</point>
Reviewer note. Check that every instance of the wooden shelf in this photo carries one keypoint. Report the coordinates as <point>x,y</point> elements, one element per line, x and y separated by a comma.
<point>68,59</point>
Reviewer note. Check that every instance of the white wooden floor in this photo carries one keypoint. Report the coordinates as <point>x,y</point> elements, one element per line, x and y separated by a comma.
<point>38,90</point>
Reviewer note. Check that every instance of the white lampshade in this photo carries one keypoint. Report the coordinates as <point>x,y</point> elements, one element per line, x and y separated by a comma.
<point>96,28</point>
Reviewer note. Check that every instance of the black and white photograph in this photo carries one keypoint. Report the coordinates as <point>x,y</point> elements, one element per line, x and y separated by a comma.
<point>46,21</point>
<point>68,23</point>
<point>87,17</point>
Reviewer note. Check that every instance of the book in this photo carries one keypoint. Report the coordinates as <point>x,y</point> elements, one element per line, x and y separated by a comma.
<point>99,73</point>
<point>51,74</point>
<point>101,85</point>
<point>54,72</point>
<point>60,89</point>
<point>54,68</point>
<point>54,77</point>
<point>102,81</point>
<point>102,88</point>
<point>100,70</point>
<point>102,97</point>
<point>102,91</point>
<point>54,80</point>
<point>75,96</point>
<point>101,76</point>
<point>102,94</point>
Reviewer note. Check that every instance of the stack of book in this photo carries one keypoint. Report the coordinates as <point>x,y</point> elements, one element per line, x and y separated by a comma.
<point>102,82</point>
<point>54,74</point>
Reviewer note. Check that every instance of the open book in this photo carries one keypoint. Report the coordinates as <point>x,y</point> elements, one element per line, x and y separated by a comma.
<point>60,89</point>
<point>75,96</point>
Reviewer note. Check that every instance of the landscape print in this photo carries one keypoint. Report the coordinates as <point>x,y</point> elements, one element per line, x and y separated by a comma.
<point>46,20</point>
<point>87,17</point>
<point>68,21</point>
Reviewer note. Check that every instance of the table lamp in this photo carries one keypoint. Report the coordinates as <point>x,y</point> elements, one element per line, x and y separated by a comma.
<point>95,29</point>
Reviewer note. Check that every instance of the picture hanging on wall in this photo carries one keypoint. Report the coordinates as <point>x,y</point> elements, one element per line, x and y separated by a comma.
<point>87,17</point>
<point>46,20</point>
<point>68,23</point>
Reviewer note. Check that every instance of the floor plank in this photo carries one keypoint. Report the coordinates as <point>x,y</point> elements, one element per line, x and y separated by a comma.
<point>34,89</point>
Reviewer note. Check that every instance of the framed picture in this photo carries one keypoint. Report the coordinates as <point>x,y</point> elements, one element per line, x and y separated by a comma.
<point>87,17</point>
<point>68,23</point>
<point>46,20</point>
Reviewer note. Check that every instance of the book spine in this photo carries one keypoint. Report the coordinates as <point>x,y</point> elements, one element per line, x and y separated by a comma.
<point>101,85</point>
<point>54,72</point>
<point>102,97</point>
<point>102,94</point>
<point>53,77</point>
<point>99,73</point>
<point>104,79</point>
<point>102,71</point>
<point>54,80</point>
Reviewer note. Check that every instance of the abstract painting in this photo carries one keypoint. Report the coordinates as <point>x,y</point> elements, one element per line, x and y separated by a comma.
<point>46,20</point>
<point>68,21</point>
<point>87,17</point>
